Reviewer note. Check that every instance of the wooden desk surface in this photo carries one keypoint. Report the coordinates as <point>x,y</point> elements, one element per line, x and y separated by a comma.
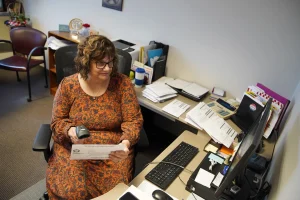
<point>177,188</point>
<point>115,193</point>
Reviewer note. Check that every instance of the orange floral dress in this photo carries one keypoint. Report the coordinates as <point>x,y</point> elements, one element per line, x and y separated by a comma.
<point>111,118</point>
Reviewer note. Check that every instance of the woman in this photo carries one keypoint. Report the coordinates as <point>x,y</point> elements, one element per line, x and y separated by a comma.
<point>104,101</point>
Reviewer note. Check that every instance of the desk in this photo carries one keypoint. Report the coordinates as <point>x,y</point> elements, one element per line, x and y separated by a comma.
<point>176,189</point>
<point>157,108</point>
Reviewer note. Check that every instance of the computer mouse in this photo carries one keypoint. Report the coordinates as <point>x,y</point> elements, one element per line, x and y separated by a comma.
<point>160,195</point>
<point>82,132</point>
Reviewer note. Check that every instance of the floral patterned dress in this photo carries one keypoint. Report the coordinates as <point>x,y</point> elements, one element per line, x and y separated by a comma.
<point>111,118</point>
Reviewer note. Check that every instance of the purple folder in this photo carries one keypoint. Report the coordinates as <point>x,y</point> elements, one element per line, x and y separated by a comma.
<point>279,98</point>
<point>273,94</point>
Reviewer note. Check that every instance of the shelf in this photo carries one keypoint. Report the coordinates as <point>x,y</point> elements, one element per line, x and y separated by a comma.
<point>51,56</point>
<point>53,90</point>
<point>53,70</point>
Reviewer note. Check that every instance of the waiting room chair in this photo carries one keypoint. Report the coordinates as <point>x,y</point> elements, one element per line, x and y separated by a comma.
<point>26,42</point>
<point>64,58</point>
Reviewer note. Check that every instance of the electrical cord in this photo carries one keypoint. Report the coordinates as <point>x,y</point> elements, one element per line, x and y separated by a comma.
<point>251,189</point>
<point>185,186</point>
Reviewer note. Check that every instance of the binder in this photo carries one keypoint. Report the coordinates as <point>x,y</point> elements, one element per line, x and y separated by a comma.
<point>247,113</point>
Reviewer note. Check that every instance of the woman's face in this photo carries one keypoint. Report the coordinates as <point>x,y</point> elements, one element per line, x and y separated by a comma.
<point>101,69</point>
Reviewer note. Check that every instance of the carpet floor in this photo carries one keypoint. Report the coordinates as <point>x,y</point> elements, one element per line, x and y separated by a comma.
<point>20,167</point>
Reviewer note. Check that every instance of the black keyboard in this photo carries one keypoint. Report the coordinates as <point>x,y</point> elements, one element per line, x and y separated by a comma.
<point>164,173</point>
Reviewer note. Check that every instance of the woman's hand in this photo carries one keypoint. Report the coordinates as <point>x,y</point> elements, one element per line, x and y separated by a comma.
<point>117,156</point>
<point>73,136</point>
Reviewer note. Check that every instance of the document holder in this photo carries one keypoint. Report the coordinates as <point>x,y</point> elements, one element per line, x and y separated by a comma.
<point>159,68</point>
<point>247,113</point>
<point>201,190</point>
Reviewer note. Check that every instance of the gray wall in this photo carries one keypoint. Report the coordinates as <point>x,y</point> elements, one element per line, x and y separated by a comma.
<point>230,44</point>
<point>285,169</point>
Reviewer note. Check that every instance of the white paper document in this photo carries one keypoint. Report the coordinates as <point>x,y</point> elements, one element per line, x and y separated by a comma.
<point>178,83</point>
<point>190,121</point>
<point>218,129</point>
<point>176,108</point>
<point>94,151</point>
<point>204,177</point>
<point>217,181</point>
<point>54,43</point>
<point>155,98</point>
<point>161,89</point>
<point>195,89</point>
<point>192,196</point>
<point>137,193</point>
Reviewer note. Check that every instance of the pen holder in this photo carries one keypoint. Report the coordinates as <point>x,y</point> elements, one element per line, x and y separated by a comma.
<point>139,77</point>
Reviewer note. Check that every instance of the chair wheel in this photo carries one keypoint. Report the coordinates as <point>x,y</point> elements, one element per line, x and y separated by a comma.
<point>45,196</point>
<point>29,100</point>
<point>46,86</point>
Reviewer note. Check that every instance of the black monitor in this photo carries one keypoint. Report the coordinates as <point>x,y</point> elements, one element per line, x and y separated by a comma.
<point>247,148</point>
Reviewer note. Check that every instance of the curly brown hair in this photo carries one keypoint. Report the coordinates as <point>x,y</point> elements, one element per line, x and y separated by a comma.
<point>95,47</point>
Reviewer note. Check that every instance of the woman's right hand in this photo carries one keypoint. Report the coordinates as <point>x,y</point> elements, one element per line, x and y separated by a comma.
<point>73,136</point>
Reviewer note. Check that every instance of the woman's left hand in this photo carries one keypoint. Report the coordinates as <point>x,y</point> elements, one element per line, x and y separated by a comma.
<point>117,156</point>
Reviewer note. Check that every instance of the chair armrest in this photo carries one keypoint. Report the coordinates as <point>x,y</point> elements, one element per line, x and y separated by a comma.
<point>143,142</point>
<point>5,41</point>
<point>32,51</point>
<point>42,138</point>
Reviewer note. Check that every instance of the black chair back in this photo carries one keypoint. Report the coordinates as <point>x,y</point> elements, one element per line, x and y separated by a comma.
<point>64,59</point>
<point>65,65</point>
<point>125,61</point>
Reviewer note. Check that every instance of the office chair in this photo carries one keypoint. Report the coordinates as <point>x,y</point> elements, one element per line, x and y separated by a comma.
<point>26,42</point>
<point>64,59</point>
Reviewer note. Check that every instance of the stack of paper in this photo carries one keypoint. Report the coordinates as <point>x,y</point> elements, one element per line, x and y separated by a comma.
<point>54,43</point>
<point>176,108</point>
<point>188,88</point>
<point>159,92</point>
<point>218,129</point>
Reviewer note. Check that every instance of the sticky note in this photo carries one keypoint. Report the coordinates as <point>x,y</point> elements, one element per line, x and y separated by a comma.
<point>216,158</point>
<point>204,177</point>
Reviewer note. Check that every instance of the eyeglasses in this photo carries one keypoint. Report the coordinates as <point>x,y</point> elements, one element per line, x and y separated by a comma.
<point>102,65</point>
